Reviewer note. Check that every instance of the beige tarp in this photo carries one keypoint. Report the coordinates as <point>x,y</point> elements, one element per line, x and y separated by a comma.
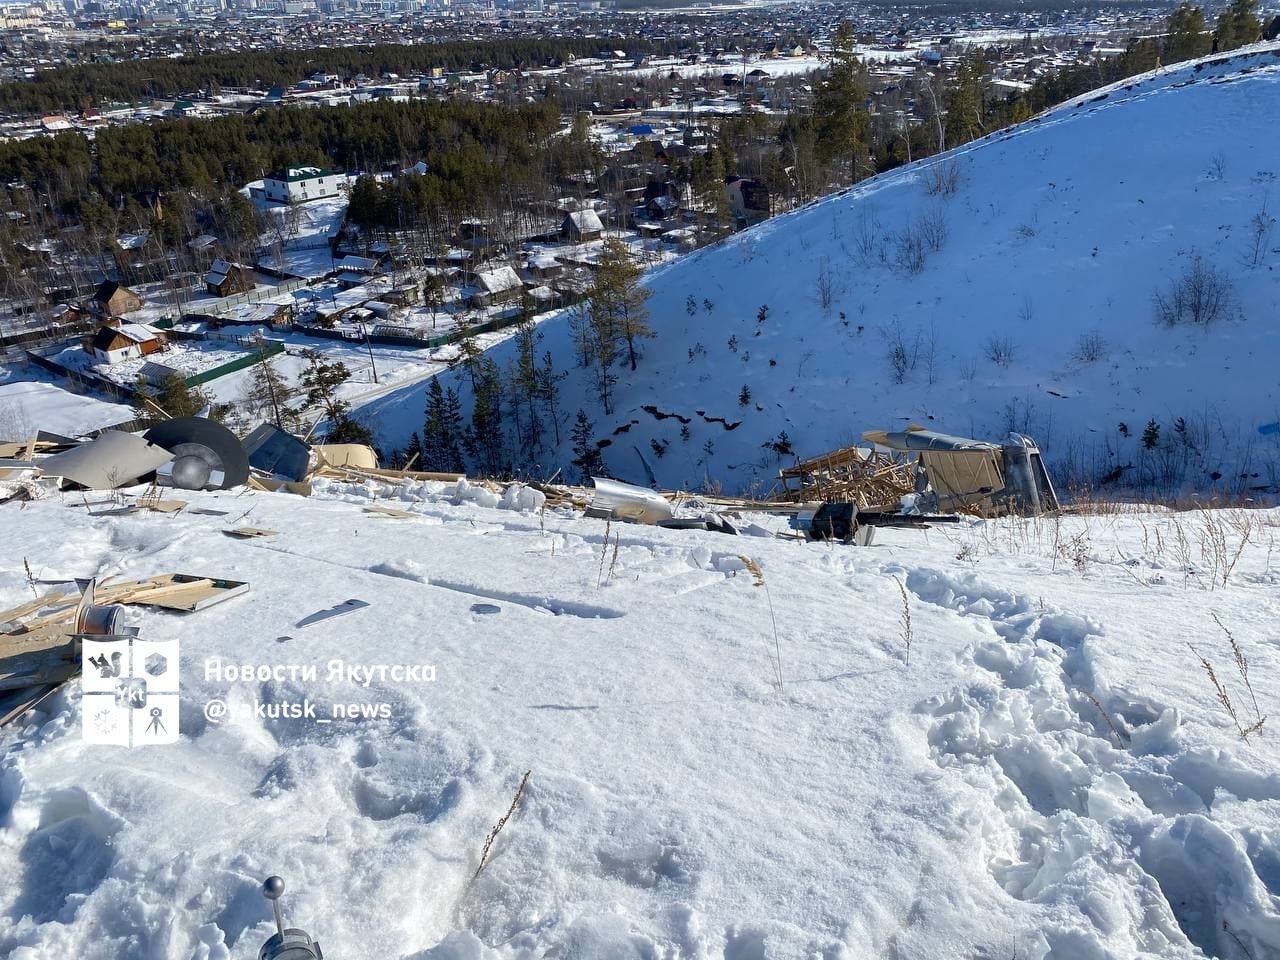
<point>355,455</point>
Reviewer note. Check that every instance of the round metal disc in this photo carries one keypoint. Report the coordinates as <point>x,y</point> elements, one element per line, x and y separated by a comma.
<point>207,441</point>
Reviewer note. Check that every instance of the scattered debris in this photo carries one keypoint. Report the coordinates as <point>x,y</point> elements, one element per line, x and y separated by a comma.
<point>353,455</point>
<point>974,476</point>
<point>249,533</point>
<point>347,606</point>
<point>858,475</point>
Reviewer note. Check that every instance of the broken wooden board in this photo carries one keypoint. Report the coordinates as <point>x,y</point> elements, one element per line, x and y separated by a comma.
<point>173,591</point>
<point>377,473</point>
<point>163,506</point>
<point>29,700</point>
<point>272,485</point>
<point>390,512</point>
<point>250,533</point>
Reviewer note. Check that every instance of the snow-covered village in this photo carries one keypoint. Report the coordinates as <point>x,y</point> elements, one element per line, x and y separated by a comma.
<point>591,481</point>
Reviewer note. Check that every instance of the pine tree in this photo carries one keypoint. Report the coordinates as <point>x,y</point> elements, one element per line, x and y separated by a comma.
<point>965,103</point>
<point>454,432</point>
<point>525,383</point>
<point>435,431</point>
<point>586,454</point>
<point>617,301</point>
<point>320,381</point>
<point>174,397</point>
<point>484,440</point>
<point>1151,435</point>
<point>1187,37</point>
<point>841,120</point>
<point>1238,24</point>
<point>549,391</point>
<point>1244,21</point>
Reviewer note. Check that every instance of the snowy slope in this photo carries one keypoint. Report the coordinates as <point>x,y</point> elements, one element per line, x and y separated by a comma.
<point>975,802</point>
<point>1059,230</point>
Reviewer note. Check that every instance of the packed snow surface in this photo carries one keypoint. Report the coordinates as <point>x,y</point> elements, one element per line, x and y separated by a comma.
<point>1006,285</point>
<point>30,405</point>
<point>1045,772</point>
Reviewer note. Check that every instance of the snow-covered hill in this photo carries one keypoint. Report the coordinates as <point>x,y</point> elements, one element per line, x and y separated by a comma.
<point>1049,776</point>
<point>1023,298</point>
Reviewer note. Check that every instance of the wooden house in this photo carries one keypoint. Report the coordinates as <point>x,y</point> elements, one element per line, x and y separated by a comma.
<point>115,300</point>
<point>114,342</point>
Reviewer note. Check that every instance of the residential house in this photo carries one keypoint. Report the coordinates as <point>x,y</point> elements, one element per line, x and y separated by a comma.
<point>495,287</point>
<point>115,341</point>
<point>581,226</point>
<point>225,279</point>
<point>114,300</point>
<point>298,185</point>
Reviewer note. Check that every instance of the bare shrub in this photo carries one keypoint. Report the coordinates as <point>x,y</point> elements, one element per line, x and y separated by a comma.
<point>1000,350</point>
<point>932,227</point>
<point>825,285</point>
<point>1203,295</point>
<point>943,179</point>
<point>757,580</point>
<point>1090,348</point>
<point>902,353</point>
<point>1261,228</point>
<point>909,250</point>
<point>866,236</point>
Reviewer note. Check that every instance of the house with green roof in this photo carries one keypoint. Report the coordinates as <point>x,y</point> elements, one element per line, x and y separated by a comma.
<point>300,184</point>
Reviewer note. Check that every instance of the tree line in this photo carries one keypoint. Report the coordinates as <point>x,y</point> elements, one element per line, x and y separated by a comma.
<point>82,86</point>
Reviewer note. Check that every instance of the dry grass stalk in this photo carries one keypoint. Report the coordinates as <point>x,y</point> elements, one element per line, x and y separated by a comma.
<point>604,549</point>
<point>613,562</point>
<point>31,578</point>
<point>497,827</point>
<point>905,620</point>
<point>757,575</point>
<point>1224,698</point>
<point>1121,736</point>
<point>1242,666</point>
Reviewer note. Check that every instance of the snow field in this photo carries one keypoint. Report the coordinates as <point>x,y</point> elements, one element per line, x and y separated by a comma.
<point>977,802</point>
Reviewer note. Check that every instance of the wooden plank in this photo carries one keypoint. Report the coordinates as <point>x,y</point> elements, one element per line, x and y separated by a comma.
<point>36,697</point>
<point>250,533</point>
<point>31,606</point>
<point>391,512</point>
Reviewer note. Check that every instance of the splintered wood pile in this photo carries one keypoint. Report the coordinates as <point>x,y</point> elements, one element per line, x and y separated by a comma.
<point>856,475</point>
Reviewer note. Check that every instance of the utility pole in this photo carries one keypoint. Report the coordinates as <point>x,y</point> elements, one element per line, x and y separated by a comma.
<point>369,344</point>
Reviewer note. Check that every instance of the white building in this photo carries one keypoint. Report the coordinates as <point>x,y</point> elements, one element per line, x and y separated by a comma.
<point>299,184</point>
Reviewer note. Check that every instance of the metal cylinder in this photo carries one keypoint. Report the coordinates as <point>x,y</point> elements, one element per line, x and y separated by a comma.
<point>101,620</point>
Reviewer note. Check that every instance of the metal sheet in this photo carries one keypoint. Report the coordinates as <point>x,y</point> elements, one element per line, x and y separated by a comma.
<point>917,439</point>
<point>626,502</point>
<point>272,450</point>
<point>113,460</point>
